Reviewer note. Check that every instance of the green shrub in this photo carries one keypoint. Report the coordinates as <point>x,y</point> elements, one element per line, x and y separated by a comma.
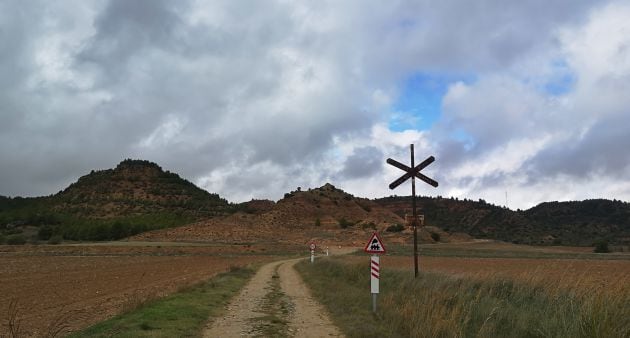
<point>118,230</point>
<point>45,232</point>
<point>343,223</point>
<point>395,228</point>
<point>602,246</point>
<point>435,236</point>
<point>56,239</point>
<point>318,222</point>
<point>369,225</point>
<point>16,240</point>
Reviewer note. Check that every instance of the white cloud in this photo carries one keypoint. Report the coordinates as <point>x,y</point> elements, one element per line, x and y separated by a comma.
<point>254,99</point>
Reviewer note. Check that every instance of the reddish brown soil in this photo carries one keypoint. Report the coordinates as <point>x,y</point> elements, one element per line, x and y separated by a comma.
<point>81,289</point>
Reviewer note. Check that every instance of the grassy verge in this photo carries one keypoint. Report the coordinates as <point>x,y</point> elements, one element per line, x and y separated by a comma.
<point>440,306</point>
<point>180,315</point>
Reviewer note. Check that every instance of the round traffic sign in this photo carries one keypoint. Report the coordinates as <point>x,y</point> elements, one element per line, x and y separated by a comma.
<point>312,246</point>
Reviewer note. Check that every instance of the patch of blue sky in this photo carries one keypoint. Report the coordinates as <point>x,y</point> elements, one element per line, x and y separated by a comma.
<point>562,80</point>
<point>419,104</point>
<point>463,137</point>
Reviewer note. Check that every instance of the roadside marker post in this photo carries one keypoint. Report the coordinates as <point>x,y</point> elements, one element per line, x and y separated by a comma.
<point>413,172</point>
<point>312,246</point>
<point>374,279</point>
<point>375,246</point>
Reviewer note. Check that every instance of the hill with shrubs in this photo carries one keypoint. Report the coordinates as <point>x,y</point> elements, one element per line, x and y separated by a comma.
<point>324,215</point>
<point>138,196</point>
<point>134,197</point>
<point>582,223</point>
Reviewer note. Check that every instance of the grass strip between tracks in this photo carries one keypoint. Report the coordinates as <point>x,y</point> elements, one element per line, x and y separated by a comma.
<point>179,315</point>
<point>436,305</point>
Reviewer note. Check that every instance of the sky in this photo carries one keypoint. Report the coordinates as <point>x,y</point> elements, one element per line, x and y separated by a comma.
<point>520,102</point>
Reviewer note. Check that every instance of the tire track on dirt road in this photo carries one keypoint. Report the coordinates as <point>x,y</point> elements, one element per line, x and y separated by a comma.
<point>300,316</point>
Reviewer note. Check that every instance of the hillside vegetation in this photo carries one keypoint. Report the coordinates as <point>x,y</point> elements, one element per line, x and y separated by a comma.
<point>134,197</point>
<point>565,223</point>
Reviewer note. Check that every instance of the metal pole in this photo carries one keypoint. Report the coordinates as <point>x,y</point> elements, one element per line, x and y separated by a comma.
<point>415,216</point>
<point>374,295</point>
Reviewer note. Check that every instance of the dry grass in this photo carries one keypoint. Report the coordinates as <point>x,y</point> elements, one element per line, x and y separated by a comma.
<point>527,304</point>
<point>562,274</point>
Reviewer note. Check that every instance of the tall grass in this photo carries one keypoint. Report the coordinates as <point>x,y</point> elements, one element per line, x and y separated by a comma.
<point>436,305</point>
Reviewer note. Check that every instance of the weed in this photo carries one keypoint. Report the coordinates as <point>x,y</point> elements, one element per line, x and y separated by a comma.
<point>276,307</point>
<point>13,320</point>
<point>60,325</point>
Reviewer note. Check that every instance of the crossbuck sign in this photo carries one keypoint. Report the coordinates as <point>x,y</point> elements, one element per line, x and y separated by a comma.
<point>413,172</point>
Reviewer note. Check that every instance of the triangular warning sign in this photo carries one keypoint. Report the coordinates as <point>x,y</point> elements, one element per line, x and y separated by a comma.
<point>375,245</point>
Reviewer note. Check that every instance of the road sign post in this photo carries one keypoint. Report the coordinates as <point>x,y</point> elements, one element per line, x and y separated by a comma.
<point>312,246</point>
<point>413,172</point>
<point>374,246</point>
<point>374,279</point>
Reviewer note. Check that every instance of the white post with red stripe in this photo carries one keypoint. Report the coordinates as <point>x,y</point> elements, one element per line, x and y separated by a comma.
<point>375,246</point>
<point>375,273</point>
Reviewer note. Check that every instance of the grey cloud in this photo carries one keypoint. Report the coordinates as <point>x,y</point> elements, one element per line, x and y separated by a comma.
<point>602,151</point>
<point>254,83</point>
<point>364,162</point>
<point>452,36</point>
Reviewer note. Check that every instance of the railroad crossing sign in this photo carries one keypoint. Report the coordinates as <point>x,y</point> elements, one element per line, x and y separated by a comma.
<point>413,172</point>
<point>375,245</point>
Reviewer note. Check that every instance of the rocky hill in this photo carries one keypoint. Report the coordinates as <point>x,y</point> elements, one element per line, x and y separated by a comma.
<point>298,217</point>
<point>137,187</point>
<point>135,196</point>
<point>568,223</point>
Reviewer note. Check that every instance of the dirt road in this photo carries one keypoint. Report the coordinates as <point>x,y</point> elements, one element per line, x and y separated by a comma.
<point>276,302</point>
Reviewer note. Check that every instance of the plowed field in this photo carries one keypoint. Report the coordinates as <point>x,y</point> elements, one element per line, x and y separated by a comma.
<point>72,290</point>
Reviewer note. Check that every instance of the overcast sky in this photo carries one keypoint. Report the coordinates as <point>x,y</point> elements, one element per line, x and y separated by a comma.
<point>519,101</point>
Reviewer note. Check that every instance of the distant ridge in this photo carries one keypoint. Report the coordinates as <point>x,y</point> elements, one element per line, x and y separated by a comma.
<point>138,196</point>
<point>560,223</point>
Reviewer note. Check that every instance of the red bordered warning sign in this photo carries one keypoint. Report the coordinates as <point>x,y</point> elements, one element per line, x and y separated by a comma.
<point>375,245</point>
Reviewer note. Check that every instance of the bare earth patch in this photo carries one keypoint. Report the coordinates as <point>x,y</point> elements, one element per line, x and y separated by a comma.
<point>76,291</point>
